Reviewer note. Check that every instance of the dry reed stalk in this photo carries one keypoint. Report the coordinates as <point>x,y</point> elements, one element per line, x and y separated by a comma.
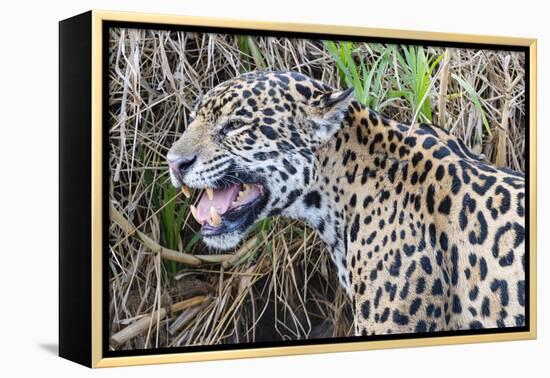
<point>165,253</point>
<point>242,251</point>
<point>443,86</point>
<point>136,328</point>
<point>146,321</point>
<point>502,134</point>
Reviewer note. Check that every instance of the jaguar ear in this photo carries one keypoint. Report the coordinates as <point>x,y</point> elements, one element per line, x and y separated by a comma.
<point>328,117</point>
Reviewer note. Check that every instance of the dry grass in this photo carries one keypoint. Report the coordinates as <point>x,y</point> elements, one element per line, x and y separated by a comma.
<point>281,285</point>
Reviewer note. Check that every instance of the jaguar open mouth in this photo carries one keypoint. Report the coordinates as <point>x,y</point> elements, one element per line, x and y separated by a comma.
<point>224,210</point>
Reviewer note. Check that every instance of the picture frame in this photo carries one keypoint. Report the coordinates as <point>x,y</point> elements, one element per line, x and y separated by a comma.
<point>86,212</point>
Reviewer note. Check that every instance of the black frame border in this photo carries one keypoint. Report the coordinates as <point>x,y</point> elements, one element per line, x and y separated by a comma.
<point>75,192</point>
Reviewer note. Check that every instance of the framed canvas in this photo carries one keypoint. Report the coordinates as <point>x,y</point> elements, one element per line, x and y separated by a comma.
<point>235,189</point>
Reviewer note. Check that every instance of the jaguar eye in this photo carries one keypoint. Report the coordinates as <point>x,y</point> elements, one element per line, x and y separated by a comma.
<point>231,125</point>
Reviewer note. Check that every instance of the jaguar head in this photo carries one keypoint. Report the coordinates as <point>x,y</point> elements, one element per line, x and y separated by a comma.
<point>251,147</point>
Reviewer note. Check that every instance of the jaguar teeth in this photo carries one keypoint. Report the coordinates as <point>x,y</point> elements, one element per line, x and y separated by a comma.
<point>215,217</point>
<point>185,190</point>
<point>210,193</point>
<point>194,213</point>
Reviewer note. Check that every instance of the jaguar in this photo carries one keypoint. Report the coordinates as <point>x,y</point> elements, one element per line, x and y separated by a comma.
<point>425,235</point>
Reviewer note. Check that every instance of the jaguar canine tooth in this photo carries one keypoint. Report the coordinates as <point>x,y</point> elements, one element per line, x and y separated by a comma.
<point>246,187</point>
<point>185,191</point>
<point>194,213</point>
<point>215,217</point>
<point>210,193</point>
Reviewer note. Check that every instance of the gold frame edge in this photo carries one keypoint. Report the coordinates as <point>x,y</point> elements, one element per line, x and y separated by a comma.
<point>98,16</point>
<point>97,191</point>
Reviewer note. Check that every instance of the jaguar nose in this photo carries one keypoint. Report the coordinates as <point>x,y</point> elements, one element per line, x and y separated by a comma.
<point>181,165</point>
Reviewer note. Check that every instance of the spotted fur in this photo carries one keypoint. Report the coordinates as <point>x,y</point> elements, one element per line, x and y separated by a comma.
<point>425,235</point>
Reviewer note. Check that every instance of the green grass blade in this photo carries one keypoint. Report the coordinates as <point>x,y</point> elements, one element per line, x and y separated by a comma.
<point>256,53</point>
<point>189,246</point>
<point>337,56</point>
<point>352,69</point>
<point>242,42</point>
<point>475,99</point>
<point>368,81</point>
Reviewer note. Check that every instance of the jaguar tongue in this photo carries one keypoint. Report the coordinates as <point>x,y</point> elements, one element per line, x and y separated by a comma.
<point>221,200</point>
